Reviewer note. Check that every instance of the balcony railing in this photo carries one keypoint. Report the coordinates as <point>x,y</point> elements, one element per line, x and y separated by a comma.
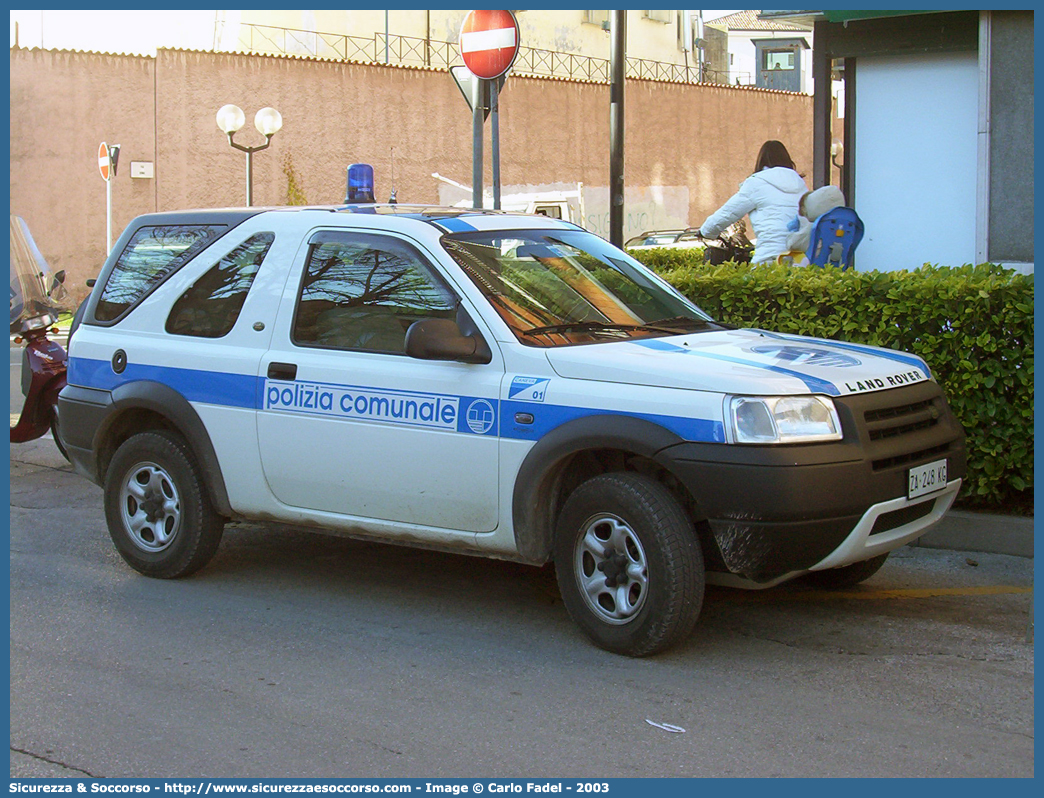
<point>399,50</point>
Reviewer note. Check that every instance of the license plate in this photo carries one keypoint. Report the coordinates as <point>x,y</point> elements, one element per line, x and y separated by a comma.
<point>926,479</point>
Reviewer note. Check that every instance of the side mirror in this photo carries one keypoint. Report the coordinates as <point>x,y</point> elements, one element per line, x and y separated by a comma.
<point>441,339</point>
<point>59,277</point>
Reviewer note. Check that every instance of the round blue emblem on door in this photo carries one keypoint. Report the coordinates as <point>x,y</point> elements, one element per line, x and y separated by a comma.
<point>480,417</point>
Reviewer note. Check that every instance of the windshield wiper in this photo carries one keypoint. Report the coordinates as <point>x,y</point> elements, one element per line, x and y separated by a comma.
<point>687,321</point>
<point>595,326</point>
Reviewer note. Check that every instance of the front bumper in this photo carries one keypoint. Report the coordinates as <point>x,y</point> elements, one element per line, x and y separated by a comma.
<point>778,510</point>
<point>865,541</point>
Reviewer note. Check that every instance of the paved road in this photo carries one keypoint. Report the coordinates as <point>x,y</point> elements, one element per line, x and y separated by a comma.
<point>295,654</point>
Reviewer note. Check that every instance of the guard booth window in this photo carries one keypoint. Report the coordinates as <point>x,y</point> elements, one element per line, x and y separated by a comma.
<point>778,59</point>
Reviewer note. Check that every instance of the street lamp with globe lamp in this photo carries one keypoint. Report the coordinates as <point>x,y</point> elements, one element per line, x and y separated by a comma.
<point>267,121</point>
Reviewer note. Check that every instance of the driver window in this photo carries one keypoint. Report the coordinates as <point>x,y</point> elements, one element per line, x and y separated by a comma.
<point>362,292</point>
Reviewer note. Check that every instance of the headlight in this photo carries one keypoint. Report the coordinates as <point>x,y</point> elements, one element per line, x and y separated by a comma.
<point>783,419</point>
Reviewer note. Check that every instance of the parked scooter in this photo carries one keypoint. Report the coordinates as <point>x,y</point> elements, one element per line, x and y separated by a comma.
<point>35,294</point>
<point>731,245</point>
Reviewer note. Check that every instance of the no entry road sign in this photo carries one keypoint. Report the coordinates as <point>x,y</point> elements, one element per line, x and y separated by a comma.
<point>108,156</point>
<point>103,161</point>
<point>489,42</point>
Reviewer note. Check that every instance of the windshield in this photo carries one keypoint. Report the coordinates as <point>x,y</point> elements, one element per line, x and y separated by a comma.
<point>34,291</point>
<point>571,287</point>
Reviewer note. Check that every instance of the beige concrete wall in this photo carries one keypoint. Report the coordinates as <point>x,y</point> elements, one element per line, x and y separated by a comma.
<point>684,144</point>
<point>63,105</point>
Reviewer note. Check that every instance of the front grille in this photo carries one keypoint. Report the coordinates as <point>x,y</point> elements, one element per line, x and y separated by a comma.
<point>888,422</point>
<point>898,518</point>
<point>902,426</point>
<point>883,413</point>
<point>911,457</point>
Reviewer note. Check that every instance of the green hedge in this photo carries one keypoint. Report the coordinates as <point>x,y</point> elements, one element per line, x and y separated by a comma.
<point>973,325</point>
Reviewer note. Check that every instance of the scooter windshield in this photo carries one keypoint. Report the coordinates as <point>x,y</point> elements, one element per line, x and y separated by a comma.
<point>34,290</point>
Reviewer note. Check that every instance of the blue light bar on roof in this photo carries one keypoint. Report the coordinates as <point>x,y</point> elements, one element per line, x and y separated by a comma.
<point>360,183</point>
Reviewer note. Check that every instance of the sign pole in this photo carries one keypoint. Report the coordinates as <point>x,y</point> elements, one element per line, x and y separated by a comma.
<point>617,66</point>
<point>105,167</point>
<point>108,156</point>
<point>489,46</point>
<point>494,97</point>
<point>108,215</point>
<point>249,178</point>
<point>477,118</point>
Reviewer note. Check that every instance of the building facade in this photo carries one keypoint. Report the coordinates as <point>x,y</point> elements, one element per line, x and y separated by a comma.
<point>938,132</point>
<point>688,146</point>
<point>420,37</point>
<point>767,53</point>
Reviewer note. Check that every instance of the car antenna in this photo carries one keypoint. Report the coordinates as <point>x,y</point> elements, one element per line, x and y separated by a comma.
<point>392,200</point>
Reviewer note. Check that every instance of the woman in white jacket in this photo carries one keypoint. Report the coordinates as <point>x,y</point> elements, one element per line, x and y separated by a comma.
<point>770,196</point>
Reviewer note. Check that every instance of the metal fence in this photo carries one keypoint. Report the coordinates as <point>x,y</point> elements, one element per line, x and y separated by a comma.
<point>399,50</point>
<point>550,63</point>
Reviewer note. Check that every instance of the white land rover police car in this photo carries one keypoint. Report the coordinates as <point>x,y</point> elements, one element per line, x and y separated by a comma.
<point>492,384</point>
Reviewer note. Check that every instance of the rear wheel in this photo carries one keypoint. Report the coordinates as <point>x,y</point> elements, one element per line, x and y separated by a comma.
<point>847,575</point>
<point>157,507</point>
<point>628,564</point>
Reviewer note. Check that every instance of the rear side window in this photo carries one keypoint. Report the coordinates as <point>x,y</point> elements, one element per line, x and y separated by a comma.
<point>211,305</point>
<point>151,255</point>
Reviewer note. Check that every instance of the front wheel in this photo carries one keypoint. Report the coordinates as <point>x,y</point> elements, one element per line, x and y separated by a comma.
<point>157,507</point>
<point>628,564</point>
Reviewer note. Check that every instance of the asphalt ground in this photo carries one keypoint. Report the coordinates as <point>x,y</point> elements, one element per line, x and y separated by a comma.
<point>299,654</point>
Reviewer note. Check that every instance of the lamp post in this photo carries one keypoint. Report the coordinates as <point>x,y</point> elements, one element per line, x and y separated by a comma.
<point>267,121</point>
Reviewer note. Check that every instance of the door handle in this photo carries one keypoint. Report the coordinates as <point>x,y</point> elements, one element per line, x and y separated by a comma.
<point>282,371</point>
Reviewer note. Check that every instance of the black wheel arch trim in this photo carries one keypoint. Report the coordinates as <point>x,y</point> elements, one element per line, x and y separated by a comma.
<point>531,510</point>
<point>164,400</point>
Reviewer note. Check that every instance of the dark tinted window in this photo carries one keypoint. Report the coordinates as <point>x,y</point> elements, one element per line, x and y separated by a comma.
<point>211,305</point>
<point>364,291</point>
<point>151,255</point>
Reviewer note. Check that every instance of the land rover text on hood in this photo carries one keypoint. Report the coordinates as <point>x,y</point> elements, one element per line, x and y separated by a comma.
<point>492,384</point>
